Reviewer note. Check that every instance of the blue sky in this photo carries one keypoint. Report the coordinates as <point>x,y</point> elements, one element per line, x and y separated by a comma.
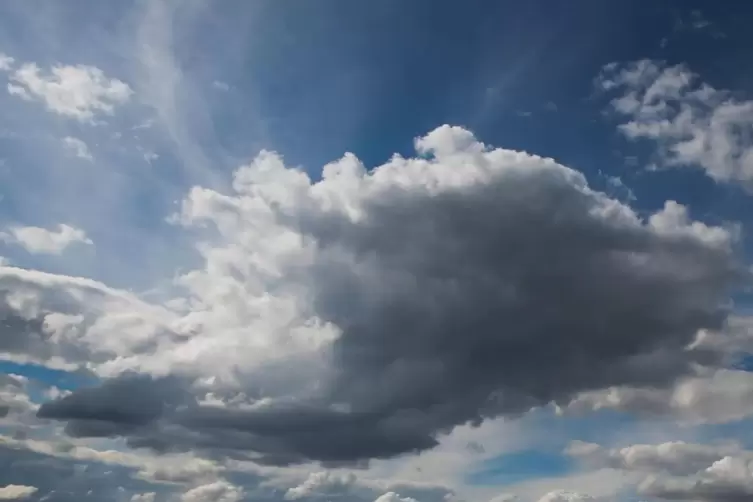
<point>212,212</point>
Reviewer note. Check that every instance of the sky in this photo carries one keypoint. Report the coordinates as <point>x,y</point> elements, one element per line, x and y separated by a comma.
<point>332,251</point>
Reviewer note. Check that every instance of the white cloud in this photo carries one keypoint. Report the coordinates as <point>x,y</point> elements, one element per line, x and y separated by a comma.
<point>735,338</point>
<point>144,497</point>
<point>84,335</point>
<point>505,497</point>
<point>692,123</point>
<point>38,240</point>
<point>710,396</point>
<point>602,484</point>
<point>220,86</point>
<point>566,496</point>
<point>6,62</point>
<point>219,491</point>
<point>673,458</point>
<point>15,492</point>
<point>678,470</point>
<point>393,497</point>
<point>322,483</point>
<point>179,468</point>
<point>80,92</point>
<point>15,403</point>
<point>718,396</point>
<point>78,147</point>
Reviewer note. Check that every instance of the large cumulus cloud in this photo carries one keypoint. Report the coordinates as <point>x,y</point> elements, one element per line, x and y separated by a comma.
<point>364,314</point>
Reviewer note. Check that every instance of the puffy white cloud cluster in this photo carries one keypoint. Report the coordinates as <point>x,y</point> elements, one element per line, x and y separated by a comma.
<point>218,491</point>
<point>692,123</point>
<point>67,322</point>
<point>679,470</point>
<point>718,396</point>
<point>80,92</point>
<point>322,483</point>
<point>14,397</point>
<point>38,240</point>
<point>728,479</point>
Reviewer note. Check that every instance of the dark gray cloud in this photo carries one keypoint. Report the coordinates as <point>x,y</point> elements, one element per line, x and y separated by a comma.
<point>134,400</point>
<point>457,305</point>
<point>118,406</point>
<point>514,290</point>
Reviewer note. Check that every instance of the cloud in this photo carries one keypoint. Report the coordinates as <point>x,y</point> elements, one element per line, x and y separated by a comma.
<point>6,62</point>
<point>164,82</point>
<point>679,470</point>
<point>14,398</point>
<point>674,458</point>
<point>565,496</point>
<point>78,148</point>
<point>716,397</point>
<point>80,92</point>
<point>388,307</point>
<point>505,497</point>
<point>15,492</point>
<point>601,484</point>
<point>137,400</point>
<point>727,480</point>
<point>322,483</point>
<point>144,497</point>
<point>219,491</point>
<point>691,123</point>
<point>67,322</point>
<point>37,240</point>
<point>65,471</point>
<point>393,497</point>
<point>166,469</point>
